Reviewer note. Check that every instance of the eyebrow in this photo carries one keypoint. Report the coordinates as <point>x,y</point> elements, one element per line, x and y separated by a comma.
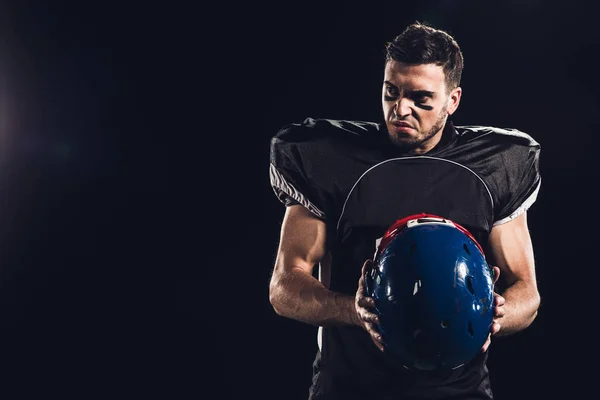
<point>422,92</point>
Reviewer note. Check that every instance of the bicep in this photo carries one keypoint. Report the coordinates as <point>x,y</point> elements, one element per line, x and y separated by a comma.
<point>512,251</point>
<point>302,241</point>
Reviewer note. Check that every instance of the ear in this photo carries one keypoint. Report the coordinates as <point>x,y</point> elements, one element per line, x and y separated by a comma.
<point>454,100</point>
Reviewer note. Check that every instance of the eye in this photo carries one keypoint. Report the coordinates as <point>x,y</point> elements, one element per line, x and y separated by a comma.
<point>421,99</point>
<point>391,91</point>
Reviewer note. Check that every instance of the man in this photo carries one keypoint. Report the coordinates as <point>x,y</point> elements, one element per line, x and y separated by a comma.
<point>345,182</point>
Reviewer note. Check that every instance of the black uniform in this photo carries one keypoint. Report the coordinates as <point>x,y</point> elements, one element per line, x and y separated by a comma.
<point>350,175</point>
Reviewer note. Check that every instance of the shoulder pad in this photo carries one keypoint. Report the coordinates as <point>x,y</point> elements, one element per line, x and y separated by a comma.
<point>472,132</point>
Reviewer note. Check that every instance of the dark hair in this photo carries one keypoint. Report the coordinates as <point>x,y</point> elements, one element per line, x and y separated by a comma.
<point>422,44</point>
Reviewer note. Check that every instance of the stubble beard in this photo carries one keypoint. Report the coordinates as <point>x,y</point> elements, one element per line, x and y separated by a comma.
<point>411,144</point>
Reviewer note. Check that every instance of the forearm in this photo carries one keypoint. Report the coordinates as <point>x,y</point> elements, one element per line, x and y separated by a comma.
<point>522,302</point>
<point>300,296</point>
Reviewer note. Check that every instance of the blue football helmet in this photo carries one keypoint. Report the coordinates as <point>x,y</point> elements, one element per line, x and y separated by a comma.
<point>434,293</point>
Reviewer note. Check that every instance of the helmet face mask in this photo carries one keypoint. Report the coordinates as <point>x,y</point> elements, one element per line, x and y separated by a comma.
<point>433,291</point>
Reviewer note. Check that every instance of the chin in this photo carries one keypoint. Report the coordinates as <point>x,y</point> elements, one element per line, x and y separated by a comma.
<point>405,142</point>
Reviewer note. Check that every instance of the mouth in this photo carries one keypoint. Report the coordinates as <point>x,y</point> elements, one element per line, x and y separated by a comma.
<point>400,124</point>
<point>401,127</point>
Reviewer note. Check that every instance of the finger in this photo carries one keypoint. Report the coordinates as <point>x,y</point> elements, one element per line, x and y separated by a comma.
<point>361,282</point>
<point>495,328</point>
<point>366,301</point>
<point>499,300</point>
<point>486,344</point>
<point>367,265</point>
<point>374,332</point>
<point>379,346</point>
<point>375,336</point>
<point>499,309</point>
<point>499,312</point>
<point>368,316</point>
<point>496,273</point>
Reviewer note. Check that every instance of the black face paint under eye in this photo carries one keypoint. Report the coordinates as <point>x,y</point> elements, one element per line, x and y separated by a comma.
<point>422,106</point>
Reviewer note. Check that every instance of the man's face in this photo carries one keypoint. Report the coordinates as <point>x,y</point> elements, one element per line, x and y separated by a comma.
<point>416,104</point>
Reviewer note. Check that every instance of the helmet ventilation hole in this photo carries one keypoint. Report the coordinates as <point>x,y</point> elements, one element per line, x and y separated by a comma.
<point>466,249</point>
<point>445,323</point>
<point>470,329</point>
<point>469,284</point>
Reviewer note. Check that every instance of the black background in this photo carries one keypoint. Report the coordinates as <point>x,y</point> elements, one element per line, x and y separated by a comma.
<point>134,145</point>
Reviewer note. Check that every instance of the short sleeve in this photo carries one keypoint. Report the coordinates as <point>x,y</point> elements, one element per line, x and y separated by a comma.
<point>290,152</point>
<point>521,180</point>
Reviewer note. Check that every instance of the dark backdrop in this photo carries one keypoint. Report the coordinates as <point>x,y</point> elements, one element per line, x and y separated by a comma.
<point>99,101</point>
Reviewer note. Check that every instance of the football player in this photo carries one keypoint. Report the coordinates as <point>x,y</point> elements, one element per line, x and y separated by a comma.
<point>344,182</point>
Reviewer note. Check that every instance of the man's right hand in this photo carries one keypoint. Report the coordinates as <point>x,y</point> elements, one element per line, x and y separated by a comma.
<point>365,308</point>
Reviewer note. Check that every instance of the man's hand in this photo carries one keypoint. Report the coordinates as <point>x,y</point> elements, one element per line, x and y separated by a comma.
<point>498,313</point>
<point>365,308</point>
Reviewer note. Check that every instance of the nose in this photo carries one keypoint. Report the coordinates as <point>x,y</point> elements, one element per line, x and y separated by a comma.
<point>402,108</point>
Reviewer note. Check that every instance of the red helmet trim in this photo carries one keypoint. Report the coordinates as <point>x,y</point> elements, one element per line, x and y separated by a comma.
<point>400,225</point>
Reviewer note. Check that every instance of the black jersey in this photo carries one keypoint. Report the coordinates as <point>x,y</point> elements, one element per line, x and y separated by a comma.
<point>349,174</point>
